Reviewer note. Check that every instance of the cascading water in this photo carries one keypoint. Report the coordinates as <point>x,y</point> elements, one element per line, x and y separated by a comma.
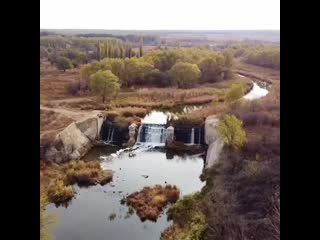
<point>153,128</point>
<point>151,133</point>
<point>189,135</point>
<point>192,136</point>
<point>110,135</point>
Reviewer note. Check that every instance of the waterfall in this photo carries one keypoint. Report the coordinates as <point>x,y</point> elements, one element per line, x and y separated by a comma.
<point>151,133</point>
<point>192,136</point>
<point>110,135</point>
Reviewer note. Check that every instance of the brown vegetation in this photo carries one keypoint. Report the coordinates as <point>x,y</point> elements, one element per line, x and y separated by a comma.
<point>244,202</point>
<point>54,83</point>
<point>181,148</point>
<point>50,120</point>
<point>56,179</point>
<point>150,201</point>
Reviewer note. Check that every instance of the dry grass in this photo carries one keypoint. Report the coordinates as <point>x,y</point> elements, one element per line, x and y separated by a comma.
<point>50,120</point>
<point>56,179</point>
<point>150,201</point>
<point>54,83</point>
<point>238,190</point>
<point>131,112</point>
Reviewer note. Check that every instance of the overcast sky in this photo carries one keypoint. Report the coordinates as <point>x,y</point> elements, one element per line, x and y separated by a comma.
<point>160,14</point>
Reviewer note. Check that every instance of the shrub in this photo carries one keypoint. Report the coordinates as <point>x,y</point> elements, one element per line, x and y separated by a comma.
<point>231,131</point>
<point>58,192</point>
<point>181,210</point>
<point>253,169</point>
<point>73,88</point>
<point>235,93</point>
<point>86,173</point>
<point>64,63</point>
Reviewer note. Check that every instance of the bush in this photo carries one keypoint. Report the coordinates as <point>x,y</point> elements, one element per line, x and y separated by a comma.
<point>58,192</point>
<point>73,88</point>
<point>64,63</point>
<point>181,210</point>
<point>235,93</point>
<point>231,131</point>
<point>86,173</point>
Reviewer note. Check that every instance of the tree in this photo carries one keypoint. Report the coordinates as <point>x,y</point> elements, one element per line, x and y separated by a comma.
<point>231,131</point>
<point>210,70</point>
<point>141,47</point>
<point>64,63</point>
<point>185,74</point>
<point>158,78</point>
<point>235,93</point>
<point>104,83</point>
<point>165,60</point>
<point>135,70</point>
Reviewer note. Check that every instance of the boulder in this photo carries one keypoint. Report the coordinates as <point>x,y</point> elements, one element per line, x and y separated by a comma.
<point>213,140</point>
<point>91,126</point>
<point>132,134</point>
<point>169,135</point>
<point>75,141</point>
<point>210,129</point>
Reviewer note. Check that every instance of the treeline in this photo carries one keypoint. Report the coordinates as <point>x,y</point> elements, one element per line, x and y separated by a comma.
<point>182,67</point>
<point>259,54</point>
<point>135,39</point>
<point>81,51</point>
<point>264,57</point>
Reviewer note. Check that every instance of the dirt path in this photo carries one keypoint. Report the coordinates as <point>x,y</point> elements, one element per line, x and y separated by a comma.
<point>68,100</point>
<point>68,113</point>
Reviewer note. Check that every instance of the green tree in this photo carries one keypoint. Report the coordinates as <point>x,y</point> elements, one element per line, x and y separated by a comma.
<point>210,70</point>
<point>185,74</point>
<point>235,93</point>
<point>231,131</point>
<point>64,63</point>
<point>165,60</point>
<point>85,72</point>
<point>104,84</point>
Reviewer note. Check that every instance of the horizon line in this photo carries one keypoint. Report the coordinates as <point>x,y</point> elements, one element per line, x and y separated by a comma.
<point>159,29</point>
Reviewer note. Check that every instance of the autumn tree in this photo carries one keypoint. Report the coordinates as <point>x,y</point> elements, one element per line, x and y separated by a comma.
<point>185,74</point>
<point>104,84</point>
<point>234,93</point>
<point>231,131</point>
<point>64,63</point>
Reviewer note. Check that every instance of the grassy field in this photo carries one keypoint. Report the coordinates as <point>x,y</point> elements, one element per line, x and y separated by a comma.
<point>131,104</point>
<point>54,83</point>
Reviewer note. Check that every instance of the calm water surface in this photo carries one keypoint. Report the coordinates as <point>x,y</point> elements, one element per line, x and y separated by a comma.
<point>87,216</point>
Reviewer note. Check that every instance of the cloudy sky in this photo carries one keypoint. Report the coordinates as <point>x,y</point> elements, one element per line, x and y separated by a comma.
<point>160,14</point>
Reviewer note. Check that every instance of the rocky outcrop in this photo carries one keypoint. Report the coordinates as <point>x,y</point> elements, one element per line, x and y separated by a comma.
<point>169,135</point>
<point>76,140</point>
<point>213,140</point>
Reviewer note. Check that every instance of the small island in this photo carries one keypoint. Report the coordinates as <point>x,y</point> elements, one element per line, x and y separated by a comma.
<point>150,201</point>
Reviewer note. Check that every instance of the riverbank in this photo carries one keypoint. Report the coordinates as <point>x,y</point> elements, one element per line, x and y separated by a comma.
<point>241,198</point>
